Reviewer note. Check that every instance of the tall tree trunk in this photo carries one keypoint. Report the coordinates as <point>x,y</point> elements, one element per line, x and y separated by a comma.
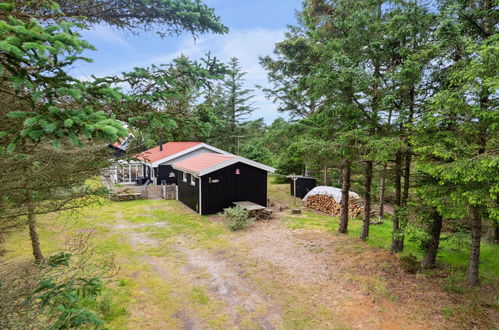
<point>367,201</point>
<point>496,232</point>
<point>476,235</point>
<point>397,241</point>
<point>325,175</point>
<point>407,175</point>
<point>345,191</point>
<point>33,234</point>
<point>432,250</point>
<point>382,192</point>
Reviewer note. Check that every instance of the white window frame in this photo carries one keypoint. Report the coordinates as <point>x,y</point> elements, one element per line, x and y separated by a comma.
<point>184,176</point>
<point>193,180</point>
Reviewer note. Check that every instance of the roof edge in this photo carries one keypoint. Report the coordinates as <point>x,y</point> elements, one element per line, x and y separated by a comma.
<point>186,151</point>
<point>228,162</point>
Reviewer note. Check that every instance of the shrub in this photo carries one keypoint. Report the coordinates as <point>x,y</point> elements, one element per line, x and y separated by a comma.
<point>238,218</point>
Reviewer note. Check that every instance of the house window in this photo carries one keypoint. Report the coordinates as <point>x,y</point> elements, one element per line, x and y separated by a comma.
<point>238,171</point>
<point>193,180</point>
<point>172,174</point>
<point>184,176</point>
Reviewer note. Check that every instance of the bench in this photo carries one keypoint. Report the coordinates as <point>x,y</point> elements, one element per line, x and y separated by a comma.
<point>257,211</point>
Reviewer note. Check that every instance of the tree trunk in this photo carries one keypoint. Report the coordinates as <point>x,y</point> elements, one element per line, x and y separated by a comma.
<point>432,250</point>
<point>345,191</point>
<point>33,234</point>
<point>397,241</point>
<point>496,225</point>
<point>476,235</point>
<point>496,232</point>
<point>407,175</point>
<point>325,175</point>
<point>382,192</point>
<point>367,201</point>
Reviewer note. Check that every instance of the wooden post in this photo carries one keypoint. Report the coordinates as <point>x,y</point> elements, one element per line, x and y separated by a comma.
<point>294,178</point>
<point>325,175</point>
<point>294,192</point>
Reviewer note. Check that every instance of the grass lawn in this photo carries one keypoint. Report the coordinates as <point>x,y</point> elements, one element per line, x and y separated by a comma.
<point>181,270</point>
<point>453,254</point>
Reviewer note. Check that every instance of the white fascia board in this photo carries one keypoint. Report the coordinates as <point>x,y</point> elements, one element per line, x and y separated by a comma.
<point>185,170</point>
<point>125,140</point>
<point>200,198</point>
<point>237,160</point>
<point>220,151</point>
<point>186,151</point>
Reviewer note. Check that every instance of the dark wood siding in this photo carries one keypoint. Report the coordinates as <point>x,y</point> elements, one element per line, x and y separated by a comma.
<point>187,193</point>
<point>249,185</point>
<point>303,186</point>
<point>164,175</point>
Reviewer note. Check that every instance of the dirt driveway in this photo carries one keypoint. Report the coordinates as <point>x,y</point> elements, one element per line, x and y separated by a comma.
<point>269,276</point>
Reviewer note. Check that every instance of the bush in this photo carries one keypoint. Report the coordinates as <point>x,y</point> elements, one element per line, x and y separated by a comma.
<point>238,218</point>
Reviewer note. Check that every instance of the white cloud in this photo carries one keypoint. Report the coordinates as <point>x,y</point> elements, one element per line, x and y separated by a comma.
<point>107,34</point>
<point>247,46</point>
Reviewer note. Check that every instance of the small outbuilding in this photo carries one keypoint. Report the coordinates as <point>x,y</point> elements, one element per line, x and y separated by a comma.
<point>208,183</point>
<point>304,184</point>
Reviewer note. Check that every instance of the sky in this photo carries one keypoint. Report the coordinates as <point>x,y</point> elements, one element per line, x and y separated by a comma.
<point>255,26</point>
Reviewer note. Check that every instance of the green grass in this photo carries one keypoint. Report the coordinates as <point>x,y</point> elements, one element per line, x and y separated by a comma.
<point>140,296</point>
<point>453,256</point>
<point>137,283</point>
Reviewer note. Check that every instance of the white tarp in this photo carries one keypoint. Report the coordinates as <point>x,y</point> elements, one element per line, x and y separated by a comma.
<point>329,191</point>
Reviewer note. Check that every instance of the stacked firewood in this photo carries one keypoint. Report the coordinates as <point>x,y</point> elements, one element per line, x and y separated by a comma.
<point>327,204</point>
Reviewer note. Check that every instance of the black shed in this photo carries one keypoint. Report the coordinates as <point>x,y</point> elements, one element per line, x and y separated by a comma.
<point>303,185</point>
<point>208,183</point>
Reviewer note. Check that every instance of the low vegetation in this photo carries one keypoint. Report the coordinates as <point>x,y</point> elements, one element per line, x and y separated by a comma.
<point>394,100</point>
<point>237,218</point>
<point>172,264</point>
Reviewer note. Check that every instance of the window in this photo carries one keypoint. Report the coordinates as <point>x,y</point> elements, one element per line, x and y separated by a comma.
<point>193,180</point>
<point>184,176</point>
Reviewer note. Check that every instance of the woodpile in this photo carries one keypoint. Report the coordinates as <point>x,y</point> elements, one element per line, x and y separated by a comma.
<point>327,204</point>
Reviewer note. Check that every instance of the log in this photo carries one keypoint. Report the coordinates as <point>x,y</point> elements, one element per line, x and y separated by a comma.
<point>327,204</point>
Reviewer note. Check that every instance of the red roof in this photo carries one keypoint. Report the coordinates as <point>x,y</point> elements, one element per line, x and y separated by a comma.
<point>118,143</point>
<point>169,149</point>
<point>202,162</point>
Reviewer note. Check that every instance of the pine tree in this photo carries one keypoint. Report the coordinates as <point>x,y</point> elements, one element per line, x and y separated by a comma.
<point>288,72</point>
<point>42,106</point>
<point>234,104</point>
<point>458,139</point>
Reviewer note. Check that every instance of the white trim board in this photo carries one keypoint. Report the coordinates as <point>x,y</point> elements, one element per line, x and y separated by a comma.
<point>200,203</point>
<point>186,151</point>
<point>228,162</point>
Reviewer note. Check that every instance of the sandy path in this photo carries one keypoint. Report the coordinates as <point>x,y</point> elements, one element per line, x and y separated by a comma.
<point>361,287</point>
<point>223,280</point>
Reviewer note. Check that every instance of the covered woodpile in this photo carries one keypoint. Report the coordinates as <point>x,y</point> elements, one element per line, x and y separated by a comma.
<point>328,200</point>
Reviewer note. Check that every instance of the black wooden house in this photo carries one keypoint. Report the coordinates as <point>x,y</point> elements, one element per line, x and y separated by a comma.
<point>208,183</point>
<point>161,158</point>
